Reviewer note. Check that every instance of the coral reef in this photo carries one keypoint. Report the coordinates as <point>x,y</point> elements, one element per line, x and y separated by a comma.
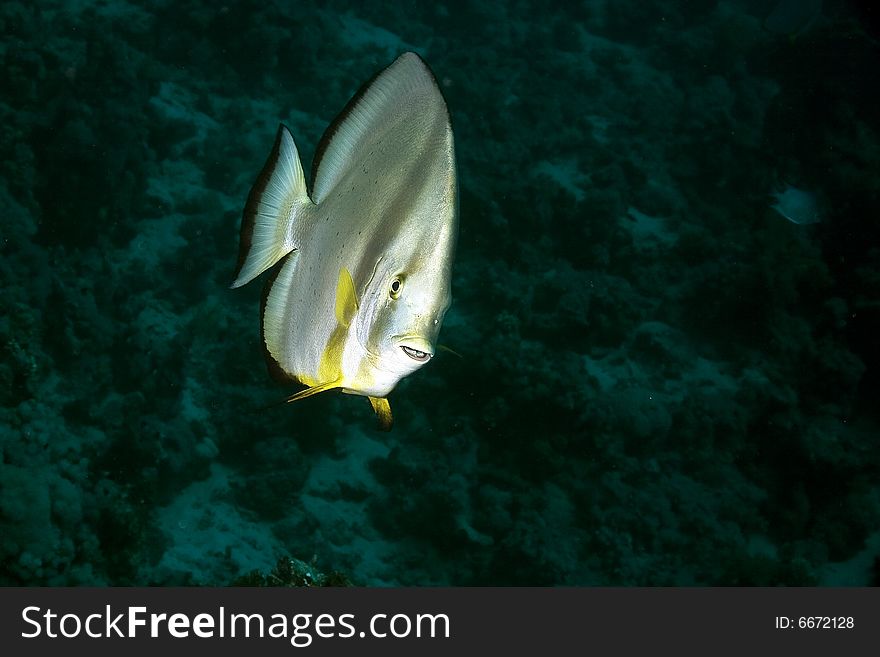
<point>292,572</point>
<point>661,381</point>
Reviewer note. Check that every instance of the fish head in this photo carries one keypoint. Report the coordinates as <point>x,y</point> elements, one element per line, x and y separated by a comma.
<point>402,312</point>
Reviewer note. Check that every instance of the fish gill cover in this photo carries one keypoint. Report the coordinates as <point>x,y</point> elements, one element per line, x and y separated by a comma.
<point>662,381</point>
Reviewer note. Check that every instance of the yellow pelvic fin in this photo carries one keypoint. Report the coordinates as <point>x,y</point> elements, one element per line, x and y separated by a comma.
<point>346,298</point>
<point>383,412</point>
<point>308,392</point>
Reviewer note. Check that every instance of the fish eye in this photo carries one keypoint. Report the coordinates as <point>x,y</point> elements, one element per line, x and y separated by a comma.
<point>396,286</point>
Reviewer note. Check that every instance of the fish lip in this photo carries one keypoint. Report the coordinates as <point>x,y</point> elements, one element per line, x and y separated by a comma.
<point>417,348</point>
<point>415,354</point>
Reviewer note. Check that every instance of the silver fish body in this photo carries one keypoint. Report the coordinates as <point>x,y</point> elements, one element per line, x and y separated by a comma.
<point>359,297</point>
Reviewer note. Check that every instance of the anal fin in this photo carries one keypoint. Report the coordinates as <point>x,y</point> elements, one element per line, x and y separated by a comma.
<point>276,320</point>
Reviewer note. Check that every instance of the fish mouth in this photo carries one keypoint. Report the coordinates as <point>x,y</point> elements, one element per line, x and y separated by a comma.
<point>416,347</point>
<point>415,354</point>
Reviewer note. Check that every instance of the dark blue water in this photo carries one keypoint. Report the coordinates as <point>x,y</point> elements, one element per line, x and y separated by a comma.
<point>663,379</point>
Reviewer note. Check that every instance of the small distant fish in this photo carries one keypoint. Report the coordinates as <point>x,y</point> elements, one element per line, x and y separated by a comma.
<point>366,250</point>
<point>792,18</point>
<point>797,205</point>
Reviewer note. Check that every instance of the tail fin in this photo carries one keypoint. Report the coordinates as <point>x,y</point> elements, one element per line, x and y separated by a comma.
<point>277,197</point>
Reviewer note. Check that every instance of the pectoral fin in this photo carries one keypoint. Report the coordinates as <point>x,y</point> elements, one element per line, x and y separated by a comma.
<point>346,298</point>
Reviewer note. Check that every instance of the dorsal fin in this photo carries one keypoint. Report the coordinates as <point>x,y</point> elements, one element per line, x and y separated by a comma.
<point>375,104</point>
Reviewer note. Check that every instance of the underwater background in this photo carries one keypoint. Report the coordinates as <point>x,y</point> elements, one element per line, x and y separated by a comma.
<point>666,298</point>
